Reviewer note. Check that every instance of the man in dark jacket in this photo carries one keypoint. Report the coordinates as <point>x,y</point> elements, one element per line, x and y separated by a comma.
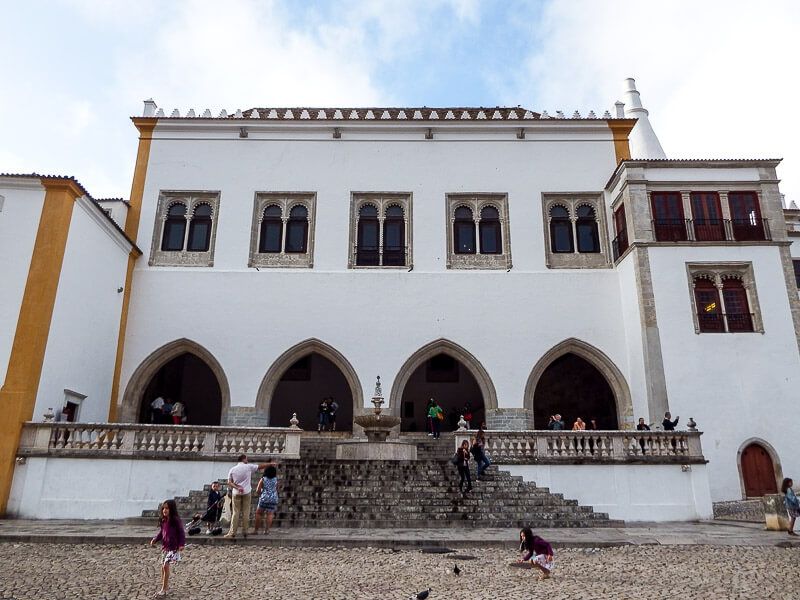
<point>556,424</point>
<point>668,424</point>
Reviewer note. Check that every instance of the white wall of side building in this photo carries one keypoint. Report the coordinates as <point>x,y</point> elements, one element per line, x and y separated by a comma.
<point>737,386</point>
<point>19,221</point>
<point>82,344</point>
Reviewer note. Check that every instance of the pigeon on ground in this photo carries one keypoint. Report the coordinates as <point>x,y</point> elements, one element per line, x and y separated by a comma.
<point>456,570</point>
<point>422,595</point>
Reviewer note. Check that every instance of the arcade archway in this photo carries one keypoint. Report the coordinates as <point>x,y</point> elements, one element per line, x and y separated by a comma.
<point>181,371</point>
<point>452,376</point>
<point>301,377</point>
<point>574,379</point>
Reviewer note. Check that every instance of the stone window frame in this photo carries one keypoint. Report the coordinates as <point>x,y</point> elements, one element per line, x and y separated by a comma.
<point>571,201</point>
<point>381,201</point>
<point>286,201</point>
<point>476,202</point>
<point>717,272</point>
<point>184,258</point>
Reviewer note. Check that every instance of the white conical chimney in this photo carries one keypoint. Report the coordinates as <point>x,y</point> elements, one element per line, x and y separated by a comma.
<point>642,140</point>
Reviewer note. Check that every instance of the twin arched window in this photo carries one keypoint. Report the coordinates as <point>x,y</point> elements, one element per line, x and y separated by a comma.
<point>489,231</point>
<point>381,238</point>
<point>732,314</point>
<point>174,238</point>
<point>564,230</point>
<point>271,236</point>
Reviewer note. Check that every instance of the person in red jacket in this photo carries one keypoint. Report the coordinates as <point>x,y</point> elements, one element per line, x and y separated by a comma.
<point>172,538</point>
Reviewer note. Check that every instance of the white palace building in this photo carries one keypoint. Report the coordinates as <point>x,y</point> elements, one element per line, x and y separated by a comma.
<point>527,264</point>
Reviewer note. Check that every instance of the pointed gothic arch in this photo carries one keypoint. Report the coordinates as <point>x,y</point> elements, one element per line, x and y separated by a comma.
<point>427,352</point>
<point>128,410</point>
<point>597,359</point>
<point>300,350</point>
<point>777,468</point>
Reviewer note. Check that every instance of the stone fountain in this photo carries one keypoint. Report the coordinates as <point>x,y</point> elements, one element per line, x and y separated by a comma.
<point>376,427</point>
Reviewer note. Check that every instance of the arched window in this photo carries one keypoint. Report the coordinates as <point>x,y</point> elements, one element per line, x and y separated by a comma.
<point>394,237</point>
<point>737,309</point>
<point>271,230</point>
<point>709,312</point>
<point>489,229</point>
<point>560,230</point>
<point>586,230</point>
<point>367,247</point>
<point>200,229</point>
<point>174,228</point>
<point>463,231</point>
<point>297,229</point>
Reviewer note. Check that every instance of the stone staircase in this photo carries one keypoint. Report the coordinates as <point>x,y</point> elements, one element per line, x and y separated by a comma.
<point>319,491</point>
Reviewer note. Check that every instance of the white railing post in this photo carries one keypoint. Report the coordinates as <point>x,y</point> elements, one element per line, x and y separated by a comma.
<point>291,448</point>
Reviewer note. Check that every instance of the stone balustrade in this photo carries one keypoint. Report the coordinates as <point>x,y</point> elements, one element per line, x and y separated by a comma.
<point>126,440</point>
<point>590,447</point>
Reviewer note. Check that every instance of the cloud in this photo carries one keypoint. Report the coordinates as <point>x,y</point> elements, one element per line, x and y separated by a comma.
<point>718,78</point>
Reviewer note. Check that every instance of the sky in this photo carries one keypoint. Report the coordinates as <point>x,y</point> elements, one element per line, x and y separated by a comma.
<point>720,78</point>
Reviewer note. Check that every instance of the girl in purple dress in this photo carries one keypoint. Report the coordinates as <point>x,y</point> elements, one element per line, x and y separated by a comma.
<point>172,538</point>
<point>536,551</point>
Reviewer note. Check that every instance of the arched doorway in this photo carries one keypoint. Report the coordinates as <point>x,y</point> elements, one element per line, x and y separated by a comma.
<point>448,373</point>
<point>758,471</point>
<point>575,379</point>
<point>302,387</point>
<point>301,377</point>
<point>171,370</point>
<point>573,388</point>
<point>189,380</point>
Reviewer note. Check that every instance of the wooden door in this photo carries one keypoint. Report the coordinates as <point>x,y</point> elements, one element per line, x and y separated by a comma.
<point>758,472</point>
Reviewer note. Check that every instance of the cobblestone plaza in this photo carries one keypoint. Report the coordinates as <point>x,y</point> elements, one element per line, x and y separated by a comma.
<point>66,571</point>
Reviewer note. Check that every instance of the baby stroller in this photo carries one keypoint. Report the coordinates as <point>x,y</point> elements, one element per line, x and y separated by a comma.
<point>194,527</point>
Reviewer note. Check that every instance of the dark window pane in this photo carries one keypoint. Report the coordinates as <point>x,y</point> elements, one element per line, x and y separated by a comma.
<point>368,211</point>
<point>273,212</point>
<point>462,212</point>
<point>796,264</point>
<point>464,237</point>
<point>489,212</point>
<point>298,212</point>
<point>585,212</point>
<point>271,231</point>
<point>204,210</point>
<point>490,237</point>
<point>177,210</point>
<point>588,238</point>
<point>709,313</point>
<point>394,240</point>
<point>394,211</point>
<point>199,234</point>
<point>296,235</point>
<point>561,235</point>
<point>174,230</point>
<point>559,212</point>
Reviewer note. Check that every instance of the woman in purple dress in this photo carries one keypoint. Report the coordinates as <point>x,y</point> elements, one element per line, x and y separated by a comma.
<point>172,538</point>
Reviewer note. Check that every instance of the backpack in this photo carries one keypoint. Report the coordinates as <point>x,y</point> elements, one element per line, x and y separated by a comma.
<point>454,458</point>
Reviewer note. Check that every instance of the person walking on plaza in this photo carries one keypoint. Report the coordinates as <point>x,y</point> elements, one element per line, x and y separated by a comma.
<point>536,551</point>
<point>172,538</point>
<point>239,481</point>
<point>792,503</point>
<point>462,462</point>
<point>323,415</point>
<point>267,492</point>
<point>555,424</point>
<point>479,450</point>
<point>669,425</point>
<point>436,416</point>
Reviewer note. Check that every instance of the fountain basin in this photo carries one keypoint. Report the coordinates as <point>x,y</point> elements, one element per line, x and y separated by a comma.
<point>375,447</point>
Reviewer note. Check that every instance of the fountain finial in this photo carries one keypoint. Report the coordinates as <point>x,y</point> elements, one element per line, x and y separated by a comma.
<point>378,391</point>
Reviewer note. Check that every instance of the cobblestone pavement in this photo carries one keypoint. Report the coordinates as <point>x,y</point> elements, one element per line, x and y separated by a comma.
<point>62,571</point>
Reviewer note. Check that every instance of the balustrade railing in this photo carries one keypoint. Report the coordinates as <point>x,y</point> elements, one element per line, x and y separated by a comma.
<point>108,440</point>
<point>591,447</point>
<point>711,230</point>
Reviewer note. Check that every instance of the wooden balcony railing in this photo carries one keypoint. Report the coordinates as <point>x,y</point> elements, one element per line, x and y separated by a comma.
<point>710,230</point>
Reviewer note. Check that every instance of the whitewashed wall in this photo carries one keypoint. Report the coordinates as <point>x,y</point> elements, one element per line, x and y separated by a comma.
<point>74,488</point>
<point>19,222</point>
<point>376,319</point>
<point>82,345</point>
<point>628,492</point>
<point>737,386</point>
